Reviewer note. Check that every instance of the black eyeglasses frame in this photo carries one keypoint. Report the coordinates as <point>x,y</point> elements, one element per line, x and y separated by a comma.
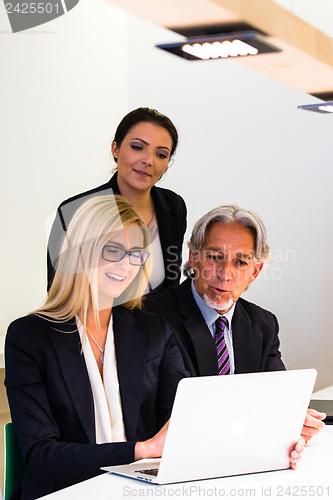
<point>126,252</point>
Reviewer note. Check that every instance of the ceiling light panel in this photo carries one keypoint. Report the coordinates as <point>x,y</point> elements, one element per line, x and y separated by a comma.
<point>248,43</point>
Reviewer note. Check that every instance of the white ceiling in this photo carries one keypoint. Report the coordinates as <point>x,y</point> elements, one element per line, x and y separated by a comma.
<point>303,29</point>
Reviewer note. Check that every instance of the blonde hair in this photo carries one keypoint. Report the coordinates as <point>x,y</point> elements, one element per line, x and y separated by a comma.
<point>75,285</point>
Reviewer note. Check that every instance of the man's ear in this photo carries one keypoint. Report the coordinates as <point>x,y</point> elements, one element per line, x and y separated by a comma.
<point>193,258</point>
<point>256,271</point>
<point>114,149</point>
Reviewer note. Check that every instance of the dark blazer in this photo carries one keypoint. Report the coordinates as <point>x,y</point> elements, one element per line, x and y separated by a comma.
<point>254,333</point>
<point>171,218</point>
<point>51,400</point>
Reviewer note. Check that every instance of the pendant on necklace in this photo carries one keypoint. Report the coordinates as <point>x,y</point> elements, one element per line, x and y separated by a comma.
<point>102,358</point>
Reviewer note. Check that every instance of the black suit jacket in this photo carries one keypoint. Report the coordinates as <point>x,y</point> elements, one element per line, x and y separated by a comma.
<point>254,333</point>
<point>51,401</point>
<point>171,218</point>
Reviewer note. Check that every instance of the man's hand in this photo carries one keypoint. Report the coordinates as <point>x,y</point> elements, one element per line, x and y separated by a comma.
<point>312,424</point>
<point>296,454</point>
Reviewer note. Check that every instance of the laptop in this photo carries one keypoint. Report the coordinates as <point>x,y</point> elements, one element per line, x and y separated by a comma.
<point>229,425</point>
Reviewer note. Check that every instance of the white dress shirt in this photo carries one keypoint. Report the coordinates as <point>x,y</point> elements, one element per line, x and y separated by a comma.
<point>210,317</point>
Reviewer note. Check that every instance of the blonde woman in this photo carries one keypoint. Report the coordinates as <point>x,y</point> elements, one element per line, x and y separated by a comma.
<point>91,377</point>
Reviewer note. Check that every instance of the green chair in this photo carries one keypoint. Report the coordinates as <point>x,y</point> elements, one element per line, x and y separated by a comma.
<point>14,463</point>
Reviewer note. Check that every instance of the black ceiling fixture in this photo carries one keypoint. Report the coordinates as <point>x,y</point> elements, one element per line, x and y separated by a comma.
<point>219,41</point>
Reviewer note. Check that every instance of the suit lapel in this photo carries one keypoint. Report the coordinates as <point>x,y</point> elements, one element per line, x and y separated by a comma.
<point>68,349</point>
<point>247,342</point>
<point>130,344</point>
<point>197,329</point>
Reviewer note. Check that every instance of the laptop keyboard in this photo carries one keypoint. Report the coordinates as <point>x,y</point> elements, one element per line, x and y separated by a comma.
<point>150,472</point>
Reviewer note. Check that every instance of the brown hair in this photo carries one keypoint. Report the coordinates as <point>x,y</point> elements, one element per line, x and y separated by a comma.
<point>148,115</point>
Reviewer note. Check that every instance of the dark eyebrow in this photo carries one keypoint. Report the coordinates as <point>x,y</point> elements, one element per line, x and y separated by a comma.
<point>238,254</point>
<point>147,143</point>
<point>243,256</point>
<point>215,249</point>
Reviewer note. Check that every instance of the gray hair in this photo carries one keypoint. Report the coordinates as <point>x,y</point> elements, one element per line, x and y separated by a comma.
<point>229,214</point>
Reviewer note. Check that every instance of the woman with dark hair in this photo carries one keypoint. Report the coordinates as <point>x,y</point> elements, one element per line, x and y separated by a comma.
<point>143,145</point>
<point>91,377</point>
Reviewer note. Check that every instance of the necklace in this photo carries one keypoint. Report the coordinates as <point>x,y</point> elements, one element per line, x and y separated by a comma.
<point>151,220</point>
<point>102,350</point>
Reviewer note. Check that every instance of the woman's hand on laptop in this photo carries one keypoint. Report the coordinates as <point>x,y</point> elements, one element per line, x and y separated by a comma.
<point>312,424</point>
<point>153,447</point>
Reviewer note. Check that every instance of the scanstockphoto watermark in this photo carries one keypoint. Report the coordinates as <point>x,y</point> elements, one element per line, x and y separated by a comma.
<point>273,269</point>
<point>221,256</point>
<point>188,491</point>
<point>217,262</point>
<point>23,15</point>
<point>195,491</point>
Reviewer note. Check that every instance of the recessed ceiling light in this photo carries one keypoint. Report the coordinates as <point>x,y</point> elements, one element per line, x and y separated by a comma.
<point>221,46</point>
<point>215,50</point>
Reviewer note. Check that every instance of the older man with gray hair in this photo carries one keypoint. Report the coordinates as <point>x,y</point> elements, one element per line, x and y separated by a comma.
<point>218,332</point>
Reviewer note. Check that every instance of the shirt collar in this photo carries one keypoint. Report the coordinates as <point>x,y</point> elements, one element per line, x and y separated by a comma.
<point>209,314</point>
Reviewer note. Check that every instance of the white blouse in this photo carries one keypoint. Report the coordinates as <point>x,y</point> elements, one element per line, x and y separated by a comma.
<point>108,411</point>
<point>158,273</point>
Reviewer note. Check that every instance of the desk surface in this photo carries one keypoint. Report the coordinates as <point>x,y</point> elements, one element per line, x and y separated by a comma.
<point>314,475</point>
<point>323,394</point>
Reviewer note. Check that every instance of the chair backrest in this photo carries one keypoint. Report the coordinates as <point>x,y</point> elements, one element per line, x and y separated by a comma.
<point>14,463</point>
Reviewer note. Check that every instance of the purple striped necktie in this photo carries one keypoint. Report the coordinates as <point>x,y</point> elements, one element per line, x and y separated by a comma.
<point>221,347</point>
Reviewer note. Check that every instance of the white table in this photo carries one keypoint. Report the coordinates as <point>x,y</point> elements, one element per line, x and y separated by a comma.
<point>315,475</point>
<point>324,393</point>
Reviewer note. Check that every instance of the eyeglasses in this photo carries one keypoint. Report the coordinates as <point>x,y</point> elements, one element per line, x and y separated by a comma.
<point>116,254</point>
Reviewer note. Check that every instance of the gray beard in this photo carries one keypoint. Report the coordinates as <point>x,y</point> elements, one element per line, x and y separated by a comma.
<point>216,304</point>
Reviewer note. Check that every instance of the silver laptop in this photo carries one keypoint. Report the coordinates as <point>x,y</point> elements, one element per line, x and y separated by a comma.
<point>229,425</point>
